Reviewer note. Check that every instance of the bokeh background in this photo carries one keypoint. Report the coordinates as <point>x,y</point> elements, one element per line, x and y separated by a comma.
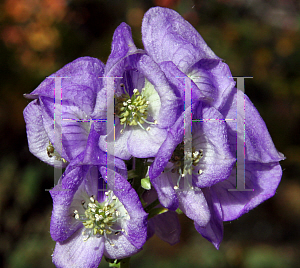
<point>255,38</point>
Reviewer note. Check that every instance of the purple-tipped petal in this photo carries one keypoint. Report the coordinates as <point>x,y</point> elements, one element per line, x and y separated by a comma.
<point>259,144</point>
<point>214,76</point>
<point>202,90</point>
<point>262,178</point>
<point>38,140</point>
<point>165,190</point>
<point>213,231</point>
<point>193,204</point>
<point>176,40</point>
<point>121,45</point>
<point>79,81</point>
<point>146,143</point>
<point>169,101</point>
<point>75,252</point>
<point>136,225</point>
<point>210,136</point>
<point>63,225</point>
<point>122,248</point>
<point>167,227</point>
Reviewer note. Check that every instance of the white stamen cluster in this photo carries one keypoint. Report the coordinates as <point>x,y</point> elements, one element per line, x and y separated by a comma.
<point>185,162</point>
<point>99,218</point>
<point>132,110</point>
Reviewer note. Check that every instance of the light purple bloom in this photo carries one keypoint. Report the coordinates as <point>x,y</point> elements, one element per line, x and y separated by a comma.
<point>145,104</point>
<point>80,83</point>
<point>90,220</point>
<point>180,51</point>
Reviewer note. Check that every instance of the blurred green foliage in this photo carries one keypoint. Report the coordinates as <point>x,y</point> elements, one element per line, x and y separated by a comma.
<point>255,38</point>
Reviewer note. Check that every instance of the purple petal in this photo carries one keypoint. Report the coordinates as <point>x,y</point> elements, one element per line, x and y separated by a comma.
<point>120,143</point>
<point>204,91</point>
<point>145,144</point>
<point>259,144</point>
<point>210,136</point>
<point>63,225</point>
<point>75,252</point>
<point>176,40</point>
<point>168,99</point>
<point>213,231</point>
<point>213,76</point>
<point>164,186</point>
<point>136,229</point>
<point>193,204</point>
<point>174,137</point>
<point>79,83</point>
<point>167,227</point>
<point>122,248</point>
<point>263,178</point>
<point>38,140</point>
<point>121,45</point>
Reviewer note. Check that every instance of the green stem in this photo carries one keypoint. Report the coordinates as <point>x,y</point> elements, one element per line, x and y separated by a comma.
<point>123,263</point>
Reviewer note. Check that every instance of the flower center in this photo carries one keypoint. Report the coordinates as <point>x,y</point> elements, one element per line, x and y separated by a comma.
<point>185,162</point>
<point>132,110</point>
<point>99,218</point>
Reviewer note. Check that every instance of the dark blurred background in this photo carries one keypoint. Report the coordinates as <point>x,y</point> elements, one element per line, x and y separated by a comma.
<point>256,38</point>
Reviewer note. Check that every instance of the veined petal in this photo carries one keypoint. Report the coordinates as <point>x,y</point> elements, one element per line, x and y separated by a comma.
<point>210,136</point>
<point>167,227</point>
<point>120,144</point>
<point>176,40</point>
<point>79,82</point>
<point>122,248</point>
<point>200,90</point>
<point>121,45</point>
<point>213,76</point>
<point>77,253</point>
<point>165,190</point>
<point>259,144</point>
<point>193,204</point>
<point>263,178</point>
<point>63,224</point>
<point>136,225</point>
<point>146,143</point>
<point>213,231</point>
<point>169,102</point>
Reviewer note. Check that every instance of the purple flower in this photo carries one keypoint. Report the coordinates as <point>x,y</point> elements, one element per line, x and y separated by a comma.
<point>180,51</point>
<point>92,218</point>
<point>66,137</point>
<point>145,104</point>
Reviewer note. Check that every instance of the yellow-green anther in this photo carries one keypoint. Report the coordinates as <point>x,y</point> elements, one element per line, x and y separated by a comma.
<point>132,109</point>
<point>98,217</point>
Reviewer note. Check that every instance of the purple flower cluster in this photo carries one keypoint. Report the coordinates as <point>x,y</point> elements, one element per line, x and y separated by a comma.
<point>173,146</point>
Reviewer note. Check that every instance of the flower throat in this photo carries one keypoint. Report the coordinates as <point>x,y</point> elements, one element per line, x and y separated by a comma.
<point>185,162</point>
<point>99,218</point>
<point>132,110</point>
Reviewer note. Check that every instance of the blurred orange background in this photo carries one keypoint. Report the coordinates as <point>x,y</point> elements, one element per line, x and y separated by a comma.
<point>255,38</point>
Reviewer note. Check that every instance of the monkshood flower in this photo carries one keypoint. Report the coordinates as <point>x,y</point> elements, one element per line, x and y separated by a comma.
<point>65,137</point>
<point>145,104</point>
<point>93,216</point>
<point>180,51</point>
<point>209,162</point>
